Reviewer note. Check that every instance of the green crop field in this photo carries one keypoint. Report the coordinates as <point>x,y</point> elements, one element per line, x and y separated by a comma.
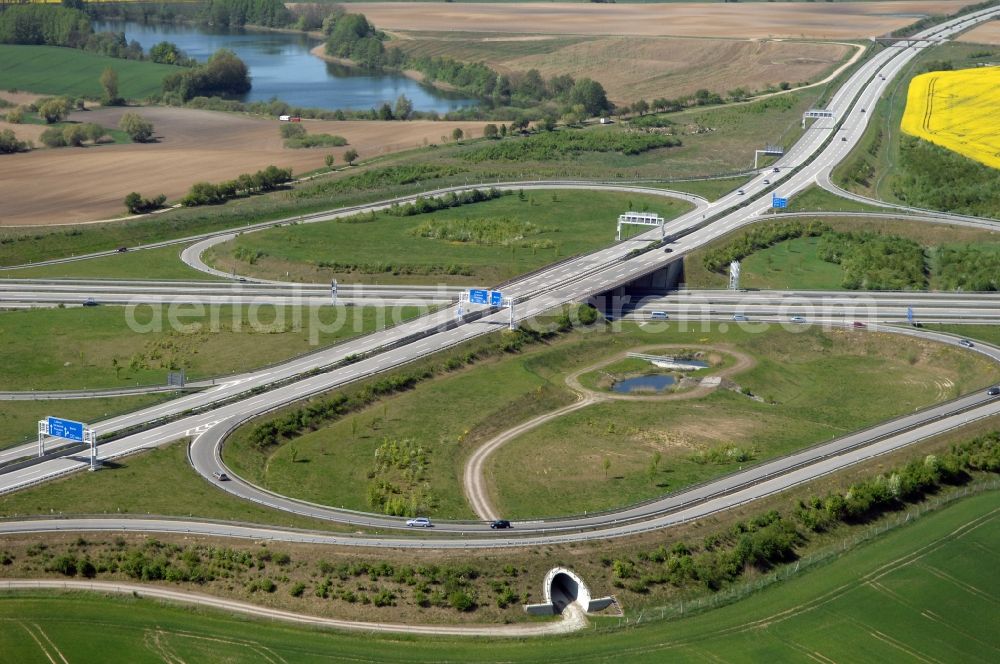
<point>824,384</point>
<point>387,250</point>
<point>113,346</point>
<point>161,264</point>
<point>925,591</point>
<point>19,419</point>
<point>69,71</point>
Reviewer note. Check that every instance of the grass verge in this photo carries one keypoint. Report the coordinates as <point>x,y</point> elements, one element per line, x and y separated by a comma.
<point>110,346</point>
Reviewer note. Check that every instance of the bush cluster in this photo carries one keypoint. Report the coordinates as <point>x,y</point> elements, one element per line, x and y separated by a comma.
<point>872,261</point>
<point>136,204</point>
<point>757,238</point>
<point>450,200</point>
<point>377,179</point>
<point>567,142</point>
<point>967,268</point>
<point>939,179</point>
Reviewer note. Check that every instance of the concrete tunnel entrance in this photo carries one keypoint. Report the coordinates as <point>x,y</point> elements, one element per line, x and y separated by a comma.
<point>563,587</point>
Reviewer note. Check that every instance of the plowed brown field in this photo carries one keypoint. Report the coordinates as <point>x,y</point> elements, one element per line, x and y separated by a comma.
<point>840,20</point>
<point>70,185</point>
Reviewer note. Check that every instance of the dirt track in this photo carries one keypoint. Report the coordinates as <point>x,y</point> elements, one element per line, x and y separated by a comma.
<point>826,20</point>
<point>70,185</point>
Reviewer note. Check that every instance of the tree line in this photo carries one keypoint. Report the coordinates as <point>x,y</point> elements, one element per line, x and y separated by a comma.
<point>206,193</point>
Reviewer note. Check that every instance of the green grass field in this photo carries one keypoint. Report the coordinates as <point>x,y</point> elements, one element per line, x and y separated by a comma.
<point>925,591</point>
<point>19,419</point>
<point>69,71</point>
<point>127,486</point>
<point>112,346</point>
<point>162,263</point>
<point>825,384</point>
<point>569,223</point>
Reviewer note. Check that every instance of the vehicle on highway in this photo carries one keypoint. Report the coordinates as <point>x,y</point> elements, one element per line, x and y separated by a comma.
<point>740,192</point>
<point>775,170</point>
<point>122,250</point>
<point>661,315</point>
<point>500,524</point>
<point>993,391</point>
<point>739,317</point>
<point>797,319</point>
<point>858,324</point>
<point>419,522</point>
<point>862,110</point>
<point>90,302</point>
<point>222,477</point>
<point>966,343</point>
<point>668,250</point>
<point>766,181</point>
<point>843,139</point>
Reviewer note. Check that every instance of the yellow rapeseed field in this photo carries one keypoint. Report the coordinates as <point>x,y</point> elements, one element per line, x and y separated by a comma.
<point>957,110</point>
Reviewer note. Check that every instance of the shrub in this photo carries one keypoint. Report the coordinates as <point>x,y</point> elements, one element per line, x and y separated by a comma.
<point>10,144</point>
<point>53,137</point>
<point>138,128</point>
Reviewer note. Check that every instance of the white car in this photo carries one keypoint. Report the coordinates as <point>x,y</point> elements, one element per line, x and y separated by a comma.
<point>739,317</point>
<point>798,319</point>
<point>419,522</point>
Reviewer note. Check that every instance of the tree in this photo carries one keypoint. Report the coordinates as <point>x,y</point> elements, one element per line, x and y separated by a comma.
<point>292,130</point>
<point>607,466</point>
<point>640,107</point>
<point>590,94</point>
<point>351,156</point>
<point>54,110</point>
<point>404,108</point>
<point>329,160</point>
<point>457,134</point>
<point>9,142</point>
<point>138,128</point>
<point>16,116</point>
<point>490,131</point>
<point>94,131</point>
<point>109,83</point>
<point>74,135</point>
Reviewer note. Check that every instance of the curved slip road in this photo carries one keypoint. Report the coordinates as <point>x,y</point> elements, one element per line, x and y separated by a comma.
<point>573,618</point>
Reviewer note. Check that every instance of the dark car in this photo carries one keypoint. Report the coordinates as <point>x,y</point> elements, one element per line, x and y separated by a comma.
<point>858,324</point>
<point>775,170</point>
<point>122,250</point>
<point>90,302</point>
<point>668,250</point>
<point>993,391</point>
<point>500,524</point>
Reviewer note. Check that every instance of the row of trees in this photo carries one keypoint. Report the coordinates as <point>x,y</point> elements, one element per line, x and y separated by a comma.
<point>48,25</point>
<point>757,238</point>
<point>237,13</point>
<point>206,193</point>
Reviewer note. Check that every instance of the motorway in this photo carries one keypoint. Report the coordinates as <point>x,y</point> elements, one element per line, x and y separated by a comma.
<point>866,307</point>
<point>812,157</point>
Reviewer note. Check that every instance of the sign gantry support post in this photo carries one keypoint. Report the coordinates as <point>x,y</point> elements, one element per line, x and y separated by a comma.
<point>77,432</point>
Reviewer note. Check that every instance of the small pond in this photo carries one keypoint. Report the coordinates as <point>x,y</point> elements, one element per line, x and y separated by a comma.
<point>650,382</point>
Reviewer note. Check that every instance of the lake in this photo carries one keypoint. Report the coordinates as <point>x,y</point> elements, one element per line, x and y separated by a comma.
<point>281,66</point>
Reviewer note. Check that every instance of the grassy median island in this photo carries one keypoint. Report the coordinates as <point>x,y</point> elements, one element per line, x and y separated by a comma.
<point>135,486</point>
<point>476,243</point>
<point>798,253</point>
<point>163,263</point>
<point>19,419</point>
<point>939,606</point>
<point>110,346</point>
<point>805,388</point>
<point>400,445</point>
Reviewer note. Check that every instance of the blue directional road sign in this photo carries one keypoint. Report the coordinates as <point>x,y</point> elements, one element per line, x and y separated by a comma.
<point>777,202</point>
<point>482,296</point>
<point>479,296</point>
<point>909,315</point>
<point>68,429</point>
